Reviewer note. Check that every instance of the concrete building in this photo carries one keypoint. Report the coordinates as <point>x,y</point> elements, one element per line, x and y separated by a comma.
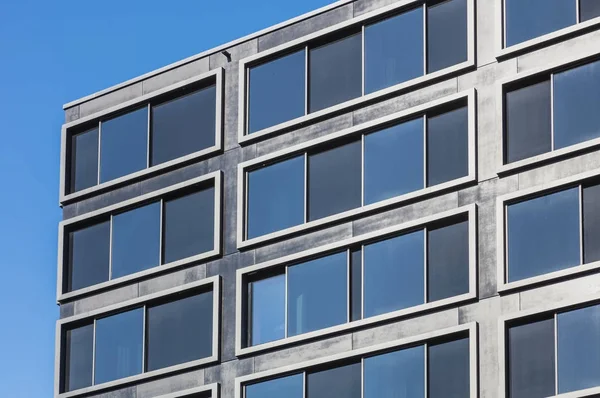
<point>376,199</point>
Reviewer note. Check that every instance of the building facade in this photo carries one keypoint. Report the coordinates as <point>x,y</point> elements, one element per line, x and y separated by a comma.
<point>376,199</point>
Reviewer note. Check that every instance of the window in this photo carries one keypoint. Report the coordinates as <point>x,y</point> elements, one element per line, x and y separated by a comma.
<point>589,9</point>
<point>448,367</point>
<point>84,160</point>
<point>291,386</point>
<point>399,373</point>
<point>446,34</point>
<point>89,256</point>
<point>591,223</point>
<point>79,345</point>
<point>343,381</point>
<point>266,310</point>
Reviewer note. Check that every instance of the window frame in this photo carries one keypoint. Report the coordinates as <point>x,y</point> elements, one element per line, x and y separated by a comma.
<point>354,132</point>
<point>141,302</point>
<point>470,211</point>
<point>143,101</point>
<point>214,179</point>
<point>245,138</point>
<point>359,354</point>
<point>213,390</point>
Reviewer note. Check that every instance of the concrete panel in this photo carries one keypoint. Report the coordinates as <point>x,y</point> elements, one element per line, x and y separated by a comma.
<point>129,392</point>
<point>171,384</point>
<point>364,6</point>
<point>69,211</point>
<point>66,310</point>
<point>488,190</point>
<point>573,289</point>
<point>487,251</point>
<point>110,99</point>
<point>72,114</point>
<point>486,31</point>
<point>172,279</point>
<point>226,372</point>
<point>558,170</point>
<point>174,177</point>
<point>237,53</point>
<point>230,200</point>
<point>107,298</point>
<point>109,198</point>
<point>176,75</point>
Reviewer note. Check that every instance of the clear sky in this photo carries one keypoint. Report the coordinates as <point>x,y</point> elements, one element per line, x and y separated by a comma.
<point>53,52</point>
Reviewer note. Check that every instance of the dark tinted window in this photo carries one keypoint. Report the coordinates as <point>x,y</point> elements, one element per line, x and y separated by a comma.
<point>448,365</point>
<point>276,197</point>
<point>79,347</point>
<point>527,19</point>
<point>124,145</point>
<point>394,274</point>
<point>84,160</point>
<point>335,72</point>
<point>591,223</point>
<point>356,285</point>
<point>446,34</point>
<point>399,374</point>
<point>119,346</point>
<point>543,234</point>
<point>448,261</point>
<point>183,125</point>
<point>576,101</point>
<point>89,256</point>
<point>589,9</point>
<point>267,309</point>
<point>343,381</point>
<point>578,349</point>
<point>447,146</point>
<point>179,332</point>
<point>528,123</point>
<point>531,360</point>
<point>394,50</point>
<point>394,161</point>
<point>189,225</point>
<point>276,91</point>
<point>136,240</point>
<point>334,181</point>
<point>288,387</point>
<point>312,284</point>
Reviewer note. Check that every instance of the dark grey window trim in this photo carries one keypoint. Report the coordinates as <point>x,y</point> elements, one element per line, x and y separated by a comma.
<point>212,283</point>
<point>216,75</point>
<point>356,131</point>
<point>212,391</point>
<point>469,329</point>
<point>209,180</point>
<point>244,138</point>
<point>241,277</point>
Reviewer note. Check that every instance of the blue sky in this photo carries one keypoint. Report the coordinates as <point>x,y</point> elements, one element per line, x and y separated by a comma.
<point>54,52</point>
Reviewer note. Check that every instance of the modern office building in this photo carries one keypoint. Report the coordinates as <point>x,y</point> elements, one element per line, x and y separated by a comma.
<point>377,199</point>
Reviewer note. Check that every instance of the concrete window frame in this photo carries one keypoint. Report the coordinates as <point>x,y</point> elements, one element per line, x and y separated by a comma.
<point>241,300</point>
<point>213,179</point>
<point>244,64</point>
<point>523,79</point>
<point>213,282</point>
<point>501,232</point>
<point>211,389</point>
<point>216,74</point>
<point>579,28</point>
<point>503,321</point>
<point>468,328</point>
<point>469,96</point>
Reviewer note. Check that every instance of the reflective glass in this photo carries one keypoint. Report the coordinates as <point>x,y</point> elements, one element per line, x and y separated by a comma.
<point>448,367</point>
<point>276,91</point>
<point>312,284</point>
<point>446,34</point>
<point>543,234</point>
<point>447,146</point>
<point>589,9</point>
<point>89,256</point>
<point>398,374</point>
<point>276,197</point>
<point>394,50</point>
<point>394,161</point>
<point>343,381</point>
<point>79,348</point>
<point>356,285</point>
<point>288,387</point>
<point>124,145</point>
<point>591,223</point>
<point>528,19</point>
<point>84,160</point>
<point>394,274</point>
<point>267,309</point>
<point>183,125</point>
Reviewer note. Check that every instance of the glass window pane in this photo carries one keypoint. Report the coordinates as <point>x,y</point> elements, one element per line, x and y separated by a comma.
<point>343,381</point>
<point>119,346</point>
<point>276,197</point>
<point>528,123</point>
<point>312,284</point>
<point>394,161</point>
<point>446,34</point>
<point>448,261</point>
<point>183,125</point>
<point>394,50</point>
<point>189,225</point>
<point>394,274</point>
<point>591,223</point>
<point>576,102</point>
<point>288,387</point>
<point>89,252</point>
<point>448,367</point>
<point>528,19</point>
<point>179,331</point>
<point>335,72</point>
<point>124,145</point>
<point>356,285</point>
<point>136,240</point>
<point>589,9</point>
<point>267,310</point>
<point>399,374</point>
<point>334,181</point>
<point>84,160</point>
<point>543,235</point>
<point>276,91</point>
<point>531,360</point>
<point>578,349</point>
<point>447,146</point>
<point>79,347</point>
